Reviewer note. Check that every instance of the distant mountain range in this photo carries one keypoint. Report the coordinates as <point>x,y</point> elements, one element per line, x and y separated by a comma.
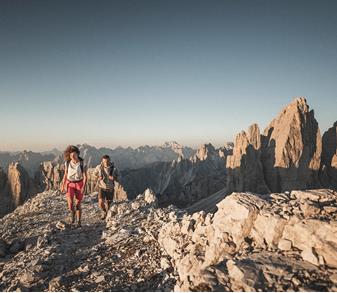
<point>122,157</point>
<point>136,158</point>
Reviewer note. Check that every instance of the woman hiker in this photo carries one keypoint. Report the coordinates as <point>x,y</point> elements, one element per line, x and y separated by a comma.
<point>74,181</point>
<point>107,174</point>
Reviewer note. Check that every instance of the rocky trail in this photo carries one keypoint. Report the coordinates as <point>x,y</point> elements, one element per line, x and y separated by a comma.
<point>249,242</point>
<point>41,252</point>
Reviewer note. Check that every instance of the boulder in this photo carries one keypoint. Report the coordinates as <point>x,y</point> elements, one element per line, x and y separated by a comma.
<point>149,196</point>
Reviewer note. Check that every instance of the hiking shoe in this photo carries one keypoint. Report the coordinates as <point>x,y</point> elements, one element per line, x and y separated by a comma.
<point>79,224</point>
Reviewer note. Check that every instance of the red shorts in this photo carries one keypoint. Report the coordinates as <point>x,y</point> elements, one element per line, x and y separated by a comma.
<point>74,189</point>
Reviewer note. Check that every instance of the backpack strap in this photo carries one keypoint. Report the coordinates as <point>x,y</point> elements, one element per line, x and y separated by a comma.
<point>67,167</point>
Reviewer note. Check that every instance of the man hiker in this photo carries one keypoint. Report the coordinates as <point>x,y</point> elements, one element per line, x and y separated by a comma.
<point>73,183</point>
<point>107,174</point>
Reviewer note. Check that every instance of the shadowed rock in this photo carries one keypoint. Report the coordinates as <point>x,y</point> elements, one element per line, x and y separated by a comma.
<point>17,187</point>
<point>329,155</point>
<point>245,172</point>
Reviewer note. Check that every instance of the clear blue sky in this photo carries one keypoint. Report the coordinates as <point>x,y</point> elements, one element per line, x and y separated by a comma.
<point>143,72</point>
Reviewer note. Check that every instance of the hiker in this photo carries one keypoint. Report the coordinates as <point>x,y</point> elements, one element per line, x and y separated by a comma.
<point>107,174</point>
<point>74,181</point>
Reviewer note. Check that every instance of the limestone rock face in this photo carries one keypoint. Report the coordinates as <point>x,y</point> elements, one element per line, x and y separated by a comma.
<point>286,157</point>
<point>329,155</point>
<point>252,239</point>
<point>204,151</point>
<point>5,196</point>
<point>245,172</point>
<point>16,187</point>
<point>21,185</point>
<point>292,149</point>
<point>50,175</point>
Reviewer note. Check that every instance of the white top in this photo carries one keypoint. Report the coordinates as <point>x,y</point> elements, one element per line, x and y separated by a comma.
<point>74,171</point>
<point>105,183</point>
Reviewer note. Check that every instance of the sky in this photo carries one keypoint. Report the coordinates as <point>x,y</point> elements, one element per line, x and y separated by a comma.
<point>130,73</point>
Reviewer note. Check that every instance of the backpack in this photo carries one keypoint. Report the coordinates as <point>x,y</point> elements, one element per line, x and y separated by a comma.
<point>81,164</point>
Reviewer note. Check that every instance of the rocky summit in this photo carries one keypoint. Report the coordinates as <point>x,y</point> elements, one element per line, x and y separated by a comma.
<point>278,242</point>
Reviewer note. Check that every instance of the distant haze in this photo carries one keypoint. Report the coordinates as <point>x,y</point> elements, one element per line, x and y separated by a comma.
<point>130,73</point>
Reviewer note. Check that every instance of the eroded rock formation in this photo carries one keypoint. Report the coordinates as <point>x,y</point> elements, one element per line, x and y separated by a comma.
<point>16,187</point>
<point>286,157</point>
<point>50,175</point>
<point>245,171</point>
<point>292,147</point>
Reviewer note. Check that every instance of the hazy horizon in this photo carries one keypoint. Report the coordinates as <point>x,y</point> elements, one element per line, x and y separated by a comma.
<point>131,73</point>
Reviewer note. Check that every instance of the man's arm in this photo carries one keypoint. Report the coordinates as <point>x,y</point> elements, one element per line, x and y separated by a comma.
<point>98,172</point>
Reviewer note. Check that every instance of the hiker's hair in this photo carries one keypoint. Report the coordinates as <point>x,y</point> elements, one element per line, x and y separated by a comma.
<point>70,149</point>
<point>106,157</point>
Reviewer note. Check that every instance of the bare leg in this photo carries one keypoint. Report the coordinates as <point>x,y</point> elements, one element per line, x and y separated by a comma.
<point>101,204</point>
<point>78,212</point>
<point>107,205</point>
<point>71,208</point>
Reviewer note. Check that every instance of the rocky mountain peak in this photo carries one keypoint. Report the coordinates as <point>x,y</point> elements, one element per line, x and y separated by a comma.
<point>292,148</point>
<point>205,151</point>
<point>287,156</point>
<point>171,144</point>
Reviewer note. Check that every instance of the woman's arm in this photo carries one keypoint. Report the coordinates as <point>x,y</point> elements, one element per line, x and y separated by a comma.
<point>64,179</point>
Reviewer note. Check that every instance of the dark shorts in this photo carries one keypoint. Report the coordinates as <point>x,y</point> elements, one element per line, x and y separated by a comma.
<point>104,194</point>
